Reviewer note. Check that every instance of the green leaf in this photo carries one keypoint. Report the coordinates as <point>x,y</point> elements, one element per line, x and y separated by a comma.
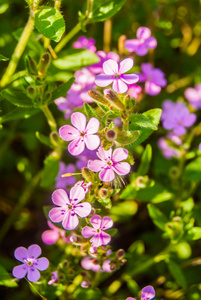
<point>193,170</point>
<point>177,273</point>
<point>6,279</point>
<point>19,113</point>
<point>89,294</point>
<point>154,116</point>
<point>44,139</point>
<point>62,90</point>
<point>195,233</point>
<point>90,112</point>
<point>17,98</point>
<point>142,121</point>
<point>127,137</point>
<point>104,9</point>
<point>50,171</point>
<point>145,161</point>
<point>123,211</point>
<point>75,59</point>
<point>3,58</point>
<point>157,216</point>
<point>50,23</point>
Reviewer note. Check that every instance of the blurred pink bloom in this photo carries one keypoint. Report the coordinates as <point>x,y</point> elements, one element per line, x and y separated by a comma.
<point>68,209</point>
<point>99,225</point>
<point>50,237</point>
<point>54,278</point>
<point>110,163</point>
<point>169,144</point>
<point>88,264</point>
<point>143,42</point>
<point>98,68</point>
<point>114,73</point>
<point>193,95</point>
<point>80,134</point>
<point>148,293</point>
<point>85,43</point>
<point>154,79</point>
<point>134,90</point>
<point>200,147</point>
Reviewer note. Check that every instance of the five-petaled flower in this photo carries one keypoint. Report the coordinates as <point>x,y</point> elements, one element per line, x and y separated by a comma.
<point>110,163</point>
<point>148,293</point>
<point>143,42</point>
<point>31,263</point>
<point>80,134</point>
<point>114,73</point>
<point>99,225</point>
<point>68,209</point>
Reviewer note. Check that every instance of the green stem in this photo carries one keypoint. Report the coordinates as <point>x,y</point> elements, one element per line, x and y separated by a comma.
<point>23,199</point>
<point>57,4</point>
<point>67,38</point>
<point>18,51</point>
<point>50,119</point>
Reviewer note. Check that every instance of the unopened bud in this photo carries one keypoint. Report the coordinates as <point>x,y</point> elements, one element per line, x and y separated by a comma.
<point>95,261</point>
<point>44,63</point>
<point>120,253</point>
<point>31,92</point>
<point>85,284</point>
<point>123,261</point>
<point>86,173</point>
<point>98,97</point>
<point>103,193</point>
<point>30,65</point>
<point>111,135</point>
<point>113,98</point>
<point>112,267</point>
<point>174,172</point>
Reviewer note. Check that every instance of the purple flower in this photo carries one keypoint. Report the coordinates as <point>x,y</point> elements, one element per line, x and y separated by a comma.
<point>168,145</point>
<point>199,147</point>
<point>99,225</point>
<point>109,164</point>
<point>31,263</point>
<point>85,43</point>
<point>54,278</point>
<point>193,95</point>
<point>143,42</point>
<point>87,263</point>
<point>154,79</point>
<point>50,237</point>
<point>80,134</point>
<point>62,182</point>
<point>98,68</point>
<point>148,293</point>
<point>68,209</point>
<point>134,90</point>
<point>114,73</point>
<point>176,117</point>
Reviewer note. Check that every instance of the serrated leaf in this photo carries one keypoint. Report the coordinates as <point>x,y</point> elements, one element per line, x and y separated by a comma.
<point>19,113</point>
<point>3,58</point>
<point>62,90</point>
<point>17,98</point>
<point>44,139</point>
<point>145,161</point>
<point>157,217</point>
<point>142,121</point>
<point>104,9</point>
<point>50,171</point>
<point>73,59</point>
<point>177,273</point>
<point>50,23</point>
<point>193,170</point>
<point>90,112</point>
<point>6,279</point>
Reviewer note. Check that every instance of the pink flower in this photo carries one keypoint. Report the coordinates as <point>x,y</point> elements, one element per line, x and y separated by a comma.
<point>68,209</point>
<point>109,164</point>
<point>87,263</point>
<point>54,278</point>
<point>193,95</point>
<point>85,43</point>
<point>143,42</point>
<point>80,134</point>
<point>99,225</point>
<point>148,293</point>
<point>50,237</point>
<point>199,147</point>
<point>85,186</point>
<point>97,68</point>
<point>134,90</point>
<point>114,73</point>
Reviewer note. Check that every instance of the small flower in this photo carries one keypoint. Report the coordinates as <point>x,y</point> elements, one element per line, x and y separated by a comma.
<point>84,185</point>
<point>68,209</point>
<point>98,67</point>
<point>148,293</point>
<point>85,43</point>
<point>143,42</point>
<point>169,144</point>
<point>193,95</point>
<point>80,134</point>
<point>50,237</point>
<point>99,225</point>
<point>154,77</point>
<point>134,90</point>
<point>109,164</point>
<point>31,263</point>
<point>88,264</point>
<point>54,278</point>
<point>114,73</point>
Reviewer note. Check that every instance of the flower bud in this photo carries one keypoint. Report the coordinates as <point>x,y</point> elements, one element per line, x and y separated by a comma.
<point>31,92</point>
<point>98,97</point>
<point>85,284</point>
<point>87,174</point>
<point>30,65</point>
<point>113,99</point>
<point>120,253</point>
<point>111,135</point>
<point>44,64</point>
<point>103,193</point>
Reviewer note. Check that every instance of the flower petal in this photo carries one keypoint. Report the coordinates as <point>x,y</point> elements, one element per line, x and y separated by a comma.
<point>189,120</point>
<point>20,271</point>
<point>132,45</point>
<point>179,130</point>
<point>34,251</point>
<point>60,197</point>
<point>42,263</point>
<point>104,80</point>
<point>122,168</point>
<point>130,78</point>
<point>96,240</point>
<point>33,274</point>
<point>83,209</point>
<point>96,221</point>
<point>143,33</point>
<point>119,86</point>
<point>77,194</point>
<point>119,154</point>
<point>105,237</point>
<point>21,254</point>
<point>107,175</point>
<point>141,50</point>
<point>104,154</point>
<point>151,42</point>
<point>148,293</point>
<point>126,65</point>
<point>79,120</point>
<point>50,237</point>
<point>110,67</point>
<point>68,133</point>
<point>92,141</point>
<point>87,231</point>
<point>152,89</point>
<point>70,221</point>
<point>92,126</point>
<point>106,223</point>
<point>77,146</point>
<point>96,165</point>
<point>56,214</point>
